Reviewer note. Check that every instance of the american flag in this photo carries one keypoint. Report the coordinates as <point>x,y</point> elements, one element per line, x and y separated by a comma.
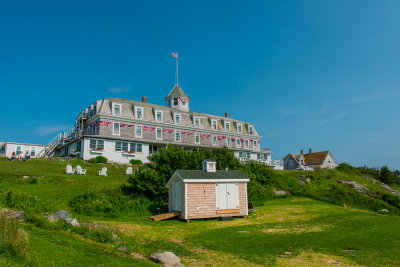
<point>174,55</point>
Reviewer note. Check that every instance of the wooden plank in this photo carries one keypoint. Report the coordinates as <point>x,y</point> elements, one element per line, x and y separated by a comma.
<point>228,211</point>
<point>165,216</point>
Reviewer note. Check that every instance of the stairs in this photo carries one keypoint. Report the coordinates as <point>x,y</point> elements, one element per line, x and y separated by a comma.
<point>165,216</point>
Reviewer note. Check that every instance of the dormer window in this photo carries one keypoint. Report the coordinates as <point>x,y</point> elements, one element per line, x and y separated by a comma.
<point>175,101</point>
<point>209,165</point>
<point>196,122</point>
<point>251,130</point>
<point>159,116</point>
<point>239,128</point>
<point>178,118</point>
<point>214,124</point>
<point>117,109</point>
<point>227,126</point>
<point>139,113</point>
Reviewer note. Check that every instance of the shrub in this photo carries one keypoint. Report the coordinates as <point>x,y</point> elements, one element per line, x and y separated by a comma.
<point>98,234</point>
<point>135,162</point>
<point>21,201</point>
<point>13,239</point>
<point>101,159</point>
<point>347,168</point>
<point>92,160</point>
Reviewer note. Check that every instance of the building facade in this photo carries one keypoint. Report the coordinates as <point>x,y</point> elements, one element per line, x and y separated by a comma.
<point>9,149</point>
<point>121,130</point>
<point>310,161</point>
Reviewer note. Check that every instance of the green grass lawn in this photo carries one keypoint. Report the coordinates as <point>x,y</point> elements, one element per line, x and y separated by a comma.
<point>293,231</point>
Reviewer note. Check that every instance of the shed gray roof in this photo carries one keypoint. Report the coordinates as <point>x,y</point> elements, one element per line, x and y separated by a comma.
<point>177,92</point>
<point>200,174</point>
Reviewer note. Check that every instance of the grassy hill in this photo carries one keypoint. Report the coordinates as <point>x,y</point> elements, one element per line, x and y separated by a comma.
<point>289,231</point>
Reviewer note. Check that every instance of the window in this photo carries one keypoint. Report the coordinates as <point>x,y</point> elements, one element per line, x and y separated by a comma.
<point>33,151</point>
<point>238,142</point>
<point>196,122</point>
<point>183,103</point>
<point>239,128</point>
<point>139,113</point>
<point>246,143</point>
<point>117,109</point>
<point>18,150</point>
<point>94,109</point>
<point>159,134</point>
<point>138,131</point>
<point>227,126</point>
<point>178,118</point>
<point>159,116</point>
<point>121,146</point>
<point>290,162</point>
<point>245,155</point>
<point>214,140</point>
<point>228,141</point>
<point>178,136</point>
<point>136,147</point>
<point>260,156</point>
<point>251,129</point>
<point>175,101</point>
<point>96,144</point>
<point>255,144</point>
<point>214,124</point>
<point>116,128</point>
<point>197,138</point>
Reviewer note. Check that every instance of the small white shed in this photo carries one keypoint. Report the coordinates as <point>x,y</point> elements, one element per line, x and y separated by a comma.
<point>208,193</point>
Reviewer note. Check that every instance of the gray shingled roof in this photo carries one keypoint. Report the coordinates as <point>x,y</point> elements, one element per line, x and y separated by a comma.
<point>200,174</point>
<point>177,92</point>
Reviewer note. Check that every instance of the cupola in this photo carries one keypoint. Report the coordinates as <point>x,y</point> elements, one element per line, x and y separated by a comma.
<point>209,165</point>
<point>177,99</point>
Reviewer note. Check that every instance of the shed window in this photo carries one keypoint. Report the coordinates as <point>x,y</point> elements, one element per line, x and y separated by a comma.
<point>227,195</point>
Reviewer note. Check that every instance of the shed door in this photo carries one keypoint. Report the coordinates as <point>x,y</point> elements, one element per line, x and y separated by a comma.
<point>176,195</point>
<point>227,195</point>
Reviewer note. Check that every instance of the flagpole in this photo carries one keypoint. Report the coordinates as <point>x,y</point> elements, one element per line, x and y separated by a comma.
<point>177,58</point>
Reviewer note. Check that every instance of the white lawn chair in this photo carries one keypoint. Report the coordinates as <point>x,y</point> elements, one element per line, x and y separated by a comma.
<point>80,171</point>
<point>129,171</point>
<point>69,170</point>
<point>103,172</point>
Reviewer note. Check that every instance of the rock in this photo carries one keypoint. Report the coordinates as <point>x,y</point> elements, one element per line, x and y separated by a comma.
<point>308,180</point>
<point>355,185</point>
<point>279,192</point>
<point>61,215</point>
<point>74,222</point>
<point>167,258</point>
<point>14,214</point>
<point>116,238</point>
<point>51,218</point>
<point>391,190</point>
<point>26,177</point>
<point>385,210</point>
<point>123,249</point>
<point>68,220</point>
<point>137,255</point>
<point>302,182</point>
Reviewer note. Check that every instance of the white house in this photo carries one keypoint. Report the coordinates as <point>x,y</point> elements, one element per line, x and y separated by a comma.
<point>8,149</point>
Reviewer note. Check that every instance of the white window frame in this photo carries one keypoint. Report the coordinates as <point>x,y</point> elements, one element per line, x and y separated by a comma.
<point>194,122</point>
<point>119,128</point>
<point>159,111</point>
<point>180,135</point>
<point>161,135</point>
<point>255,144</point>
<point>251,130</point>
<point>241,128</point>
<point>196,135</point>
<point>120,109</point>
<point>246,144</point>
<point>96,143</point>
<point>142,113</point>
<point>34,151</point>
<point>227,123</point>
<point>228,143</point>
<point>180,118</point>
<point>238,142</point>
<point>212,124</point>
<point>141,131</point>
<point>20,151</point>
<point>214,140</point>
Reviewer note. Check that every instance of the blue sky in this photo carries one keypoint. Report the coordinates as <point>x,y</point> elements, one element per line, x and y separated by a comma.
<point>319,74</point>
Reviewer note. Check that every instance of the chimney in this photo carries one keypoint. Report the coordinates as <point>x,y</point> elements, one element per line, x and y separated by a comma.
<point>301,151</point>
<point>144,99</point>
<point>226,115</point>
<point>310,150</point>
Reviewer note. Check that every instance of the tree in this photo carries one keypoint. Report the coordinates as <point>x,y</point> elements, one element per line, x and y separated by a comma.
<point>386,176</point>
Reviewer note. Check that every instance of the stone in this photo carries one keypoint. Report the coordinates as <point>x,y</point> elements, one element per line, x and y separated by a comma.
<point>68,220</point>
<point>279,192</point>
<point>167,258</point>
<point>355,185</point>
<point>308,180</point>
<point>61,215</point>
<point>116,238</point>
<point>26,177</point>
<point>138,255</point>
<point>391,190</point>
<point>302,182</point>
<point>123,249</point>
<point>51,218</point>
<point>74,222</point>
<point>14,214</point>
<point>385,210</point>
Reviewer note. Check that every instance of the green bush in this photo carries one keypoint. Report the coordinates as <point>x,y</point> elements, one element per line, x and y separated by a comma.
<point>347,168</point>
<point>98,159</point>
<point>13,239</point>
<point>92,160</point>
<point>98,234</point>
<point>21,201</point>
<point>135,162</point>
<point>110,203</point>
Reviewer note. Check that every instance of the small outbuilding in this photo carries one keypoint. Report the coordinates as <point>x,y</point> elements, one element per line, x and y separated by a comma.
<point>208,193</point>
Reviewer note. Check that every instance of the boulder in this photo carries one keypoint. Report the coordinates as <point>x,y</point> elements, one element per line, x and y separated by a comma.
<point>355,185</point>
<point>168,259</point>
<point>61,215</point>
<point>308,180</point>
<point>391,190</point>
<point>14,214</point>
<point>279,192</point>
<point>74,222</point>
<point>123,249</point>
